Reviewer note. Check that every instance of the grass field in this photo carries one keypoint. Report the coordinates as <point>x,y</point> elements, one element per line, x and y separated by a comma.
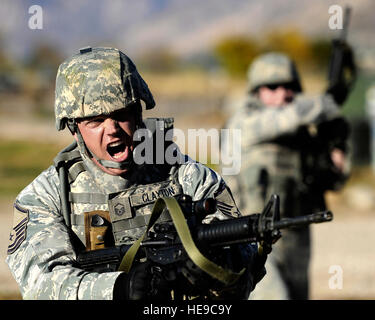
<point>21,162</point>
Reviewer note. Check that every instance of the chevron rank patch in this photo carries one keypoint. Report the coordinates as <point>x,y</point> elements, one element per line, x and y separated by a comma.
<point>18,233</point>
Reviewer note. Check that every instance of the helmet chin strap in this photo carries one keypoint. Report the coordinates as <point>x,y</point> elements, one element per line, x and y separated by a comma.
<point>116,165</point>
<point>105,163</point>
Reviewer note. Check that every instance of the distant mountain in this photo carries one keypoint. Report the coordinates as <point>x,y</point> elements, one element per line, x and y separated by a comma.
<point>186,26</point>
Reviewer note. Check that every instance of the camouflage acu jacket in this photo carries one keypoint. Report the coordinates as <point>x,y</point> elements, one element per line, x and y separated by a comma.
<point>42,248</point>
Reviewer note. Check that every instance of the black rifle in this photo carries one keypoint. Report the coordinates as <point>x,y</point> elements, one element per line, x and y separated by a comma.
<point>317,145</point>
<point>164,248</point>
<point>342,68</point>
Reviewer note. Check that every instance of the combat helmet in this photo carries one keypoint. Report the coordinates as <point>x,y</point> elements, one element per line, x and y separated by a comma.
<point>272,68</point>
<point>97,81</point>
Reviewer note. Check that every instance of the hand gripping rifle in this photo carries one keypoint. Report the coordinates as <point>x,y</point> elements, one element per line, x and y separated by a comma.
<point>169,244</point>
<point>342,68</point>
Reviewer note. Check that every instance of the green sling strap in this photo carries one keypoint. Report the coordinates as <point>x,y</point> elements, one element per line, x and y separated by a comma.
<point>226,276</point>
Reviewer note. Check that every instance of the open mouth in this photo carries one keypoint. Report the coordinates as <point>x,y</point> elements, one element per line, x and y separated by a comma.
<point>118,150</point>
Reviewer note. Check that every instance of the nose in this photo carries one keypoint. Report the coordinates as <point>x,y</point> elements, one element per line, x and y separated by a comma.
<point>111,126</point>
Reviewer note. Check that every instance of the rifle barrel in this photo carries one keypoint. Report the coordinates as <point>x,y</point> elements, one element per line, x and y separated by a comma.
<point>318,217</point>
<point>246,228</point>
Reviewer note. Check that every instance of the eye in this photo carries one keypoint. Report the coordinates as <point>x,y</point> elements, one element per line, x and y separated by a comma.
<point>94,122</point>
<point>123,116</point>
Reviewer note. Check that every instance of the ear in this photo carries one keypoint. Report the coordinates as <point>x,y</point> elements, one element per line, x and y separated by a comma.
<point>75,136</point>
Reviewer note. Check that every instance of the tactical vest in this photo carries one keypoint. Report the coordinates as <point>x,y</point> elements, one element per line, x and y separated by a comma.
<point>270,168</point>
<point>105,219</point>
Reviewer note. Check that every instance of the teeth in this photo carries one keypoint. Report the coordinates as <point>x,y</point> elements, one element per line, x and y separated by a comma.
<point>115,144</point>
<point>118,155</point>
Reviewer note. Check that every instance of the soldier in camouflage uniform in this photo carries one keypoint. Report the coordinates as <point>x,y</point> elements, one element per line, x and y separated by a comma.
<point>98,97</point>
<point>289,147</point>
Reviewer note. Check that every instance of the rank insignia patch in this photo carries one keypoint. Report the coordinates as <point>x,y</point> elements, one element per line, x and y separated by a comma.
<point>18,233</point>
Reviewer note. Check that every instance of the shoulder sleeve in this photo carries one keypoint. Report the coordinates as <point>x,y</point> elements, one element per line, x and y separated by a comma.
<point>42,258</point>
<point>201,182</point>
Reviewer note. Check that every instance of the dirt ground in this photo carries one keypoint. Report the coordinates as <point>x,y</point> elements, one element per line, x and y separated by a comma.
<point>343,256</point>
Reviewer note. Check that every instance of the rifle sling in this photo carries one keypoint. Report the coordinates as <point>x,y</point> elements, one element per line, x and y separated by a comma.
<point>224,275</point>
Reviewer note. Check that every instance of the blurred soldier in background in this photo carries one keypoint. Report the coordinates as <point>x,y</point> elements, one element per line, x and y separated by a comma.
<point>295,147</point>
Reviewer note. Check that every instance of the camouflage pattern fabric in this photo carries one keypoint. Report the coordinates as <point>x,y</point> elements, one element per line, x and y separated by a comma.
<point>287,268</point>
<point>269,167</point>
<point>97,81</point>
<point>43,262</point>
<point>272,286</point>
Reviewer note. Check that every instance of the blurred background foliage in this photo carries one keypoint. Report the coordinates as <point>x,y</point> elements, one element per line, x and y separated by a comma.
<point>236,53</point>
<point>33,78</point>
<point>198,87</point>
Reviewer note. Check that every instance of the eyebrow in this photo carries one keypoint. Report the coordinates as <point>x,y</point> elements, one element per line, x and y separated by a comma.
<point>113,114</point>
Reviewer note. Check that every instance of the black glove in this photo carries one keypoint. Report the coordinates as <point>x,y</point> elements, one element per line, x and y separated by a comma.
<point>144,281</point>
<point>245,256</point>
<point>235,258</point>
